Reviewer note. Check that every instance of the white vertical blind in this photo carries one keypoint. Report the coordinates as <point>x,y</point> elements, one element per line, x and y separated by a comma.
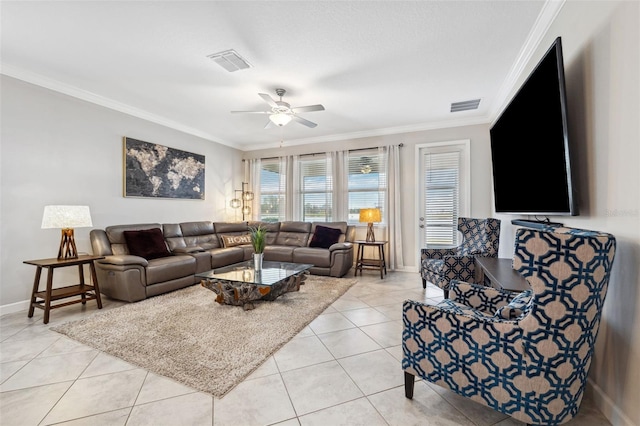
<point>316,189</point>
<point>442,196</point>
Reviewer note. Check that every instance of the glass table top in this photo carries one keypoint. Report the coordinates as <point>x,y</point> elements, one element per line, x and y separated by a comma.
<point>271,273</point>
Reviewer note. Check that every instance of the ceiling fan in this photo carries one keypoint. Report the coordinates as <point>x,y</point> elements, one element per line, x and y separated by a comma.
<point>281,113</point>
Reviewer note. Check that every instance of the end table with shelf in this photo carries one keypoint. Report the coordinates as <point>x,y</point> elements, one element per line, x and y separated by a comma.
<point>362,262</point>
<point>498,273</point>
<point>50,294</point>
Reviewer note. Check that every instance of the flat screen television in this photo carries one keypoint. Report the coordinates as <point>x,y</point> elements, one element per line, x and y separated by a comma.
<point>530,146</point>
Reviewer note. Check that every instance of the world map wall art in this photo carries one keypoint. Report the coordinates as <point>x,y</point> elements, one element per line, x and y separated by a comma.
<point>156,171</point>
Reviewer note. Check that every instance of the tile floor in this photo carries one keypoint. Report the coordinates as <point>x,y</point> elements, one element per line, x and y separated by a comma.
<point>343,369</point>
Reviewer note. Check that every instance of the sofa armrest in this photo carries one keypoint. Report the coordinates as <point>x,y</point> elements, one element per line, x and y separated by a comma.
<point>187,250</point>
<point>340,246</point>
<point>481,298</point>
<point>123,260</point>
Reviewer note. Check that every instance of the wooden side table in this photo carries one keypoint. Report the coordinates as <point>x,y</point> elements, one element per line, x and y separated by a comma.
<point>498,273</point>
<point>379,264</point>
<point>85,291</point>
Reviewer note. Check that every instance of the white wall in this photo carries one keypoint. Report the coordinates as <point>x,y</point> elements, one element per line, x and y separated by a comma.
<point>480,173</point>
<point>601,44</point>
<point>60,150</point>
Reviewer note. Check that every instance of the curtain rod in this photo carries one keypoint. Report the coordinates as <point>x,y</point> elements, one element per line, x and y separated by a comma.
<point>400,145</point>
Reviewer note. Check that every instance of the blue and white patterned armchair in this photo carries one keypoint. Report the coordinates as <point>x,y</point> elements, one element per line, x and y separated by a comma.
<point>525,355</point>
<point>481,237</point>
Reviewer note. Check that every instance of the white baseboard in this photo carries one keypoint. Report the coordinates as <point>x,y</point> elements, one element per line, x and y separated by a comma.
<point>12,308</point>
<point>607,407</point>
<point>407,269</point>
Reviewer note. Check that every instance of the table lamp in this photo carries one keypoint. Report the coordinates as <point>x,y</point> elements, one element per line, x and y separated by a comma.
<point>66,218</point>
<point>369,216</point>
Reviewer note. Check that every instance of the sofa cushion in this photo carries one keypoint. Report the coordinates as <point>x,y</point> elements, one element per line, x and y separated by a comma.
<point>235,240</point>
<point>146,243</point>
<point>324,237</point>
<point>318,257</point>
<point>226,256</point>
<point>173,236</point>
<point>277,253</point>
<point>231,227</point>
<point>201,234</point>
<point>272,230</point>
<point>294,234</point>
<point>170,268</point>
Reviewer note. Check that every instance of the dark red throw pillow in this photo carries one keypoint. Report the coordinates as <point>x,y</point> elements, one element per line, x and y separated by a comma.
<point>147,243</point>
<point>324,237</point>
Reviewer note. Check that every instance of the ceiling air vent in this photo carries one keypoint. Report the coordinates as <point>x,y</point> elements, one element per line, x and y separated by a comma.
<point>465,105</point>
<point>230,60</point>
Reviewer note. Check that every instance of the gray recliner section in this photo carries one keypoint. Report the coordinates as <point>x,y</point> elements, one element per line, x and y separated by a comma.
<point>197,247</point>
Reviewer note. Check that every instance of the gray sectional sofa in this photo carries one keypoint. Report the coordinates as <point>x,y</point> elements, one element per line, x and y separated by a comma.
<point>194,247</point>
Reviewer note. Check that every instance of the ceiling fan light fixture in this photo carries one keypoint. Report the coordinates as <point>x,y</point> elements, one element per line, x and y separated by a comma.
<point>280,119</point>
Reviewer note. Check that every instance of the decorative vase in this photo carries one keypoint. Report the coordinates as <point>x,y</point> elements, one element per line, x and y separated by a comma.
<point>257,261</point>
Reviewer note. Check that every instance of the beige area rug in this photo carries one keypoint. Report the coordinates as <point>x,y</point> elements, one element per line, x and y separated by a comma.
<point>187,336</point>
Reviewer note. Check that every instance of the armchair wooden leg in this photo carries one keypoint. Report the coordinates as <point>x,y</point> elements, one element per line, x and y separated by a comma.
<point>424,283</point>
<point>409,380</point>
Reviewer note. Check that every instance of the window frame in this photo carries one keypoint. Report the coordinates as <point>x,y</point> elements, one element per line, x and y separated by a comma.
<point>380,191</point>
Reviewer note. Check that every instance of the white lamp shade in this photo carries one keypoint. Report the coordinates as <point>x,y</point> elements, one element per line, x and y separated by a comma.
<point>280,119</point>
<point>66,217</point>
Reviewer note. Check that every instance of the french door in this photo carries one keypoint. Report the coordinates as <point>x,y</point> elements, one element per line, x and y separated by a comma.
<point>443,176</point>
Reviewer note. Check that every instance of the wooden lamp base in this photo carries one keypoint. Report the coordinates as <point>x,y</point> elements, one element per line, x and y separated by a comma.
<point>370,237</point>
<point>67,248</point>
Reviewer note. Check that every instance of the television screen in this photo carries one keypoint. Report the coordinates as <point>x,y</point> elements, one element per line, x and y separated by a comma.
<point>530,147</point>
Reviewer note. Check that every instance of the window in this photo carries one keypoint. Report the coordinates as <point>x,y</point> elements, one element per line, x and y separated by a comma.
<point>444,191</point>
<point>272,190</point>
<point>367,182</point>
<point>316,189</point>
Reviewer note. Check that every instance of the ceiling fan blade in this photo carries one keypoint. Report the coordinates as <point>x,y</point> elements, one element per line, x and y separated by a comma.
<point>304,121</point>
<point>269,125</point>
<point>308,108</point>
<point>268,99</point>
<point>251,112</point>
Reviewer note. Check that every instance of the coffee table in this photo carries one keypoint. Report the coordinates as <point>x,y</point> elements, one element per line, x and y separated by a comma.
<point>240,284</point>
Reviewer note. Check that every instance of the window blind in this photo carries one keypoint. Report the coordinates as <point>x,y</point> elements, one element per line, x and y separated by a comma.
<point>442,197</point>
<point>367,182</point>
<point>272,190</point>
<point>316,189</point>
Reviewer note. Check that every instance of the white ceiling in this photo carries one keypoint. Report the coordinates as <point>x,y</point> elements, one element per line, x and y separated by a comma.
<point>378,67</point>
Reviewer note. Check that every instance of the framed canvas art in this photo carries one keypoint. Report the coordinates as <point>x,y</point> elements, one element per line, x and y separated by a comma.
<point>157,171</point>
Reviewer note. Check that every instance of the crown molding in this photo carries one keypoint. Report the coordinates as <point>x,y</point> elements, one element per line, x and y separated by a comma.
<point>57,86</point>
<point>547,16</point>
<point>372,133</point>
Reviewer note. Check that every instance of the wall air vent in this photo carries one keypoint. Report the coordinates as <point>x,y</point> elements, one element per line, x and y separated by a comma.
<point>230,60</point>
<point>465,105</point>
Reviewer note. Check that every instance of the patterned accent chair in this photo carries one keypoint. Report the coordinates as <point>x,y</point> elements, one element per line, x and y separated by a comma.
<point>481,237</point>
<point>525,355</point>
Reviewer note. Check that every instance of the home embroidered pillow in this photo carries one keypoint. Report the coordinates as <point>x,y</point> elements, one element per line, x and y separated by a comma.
<point>235,240</point>
<point>147,243</point>
<point>324,237</point>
